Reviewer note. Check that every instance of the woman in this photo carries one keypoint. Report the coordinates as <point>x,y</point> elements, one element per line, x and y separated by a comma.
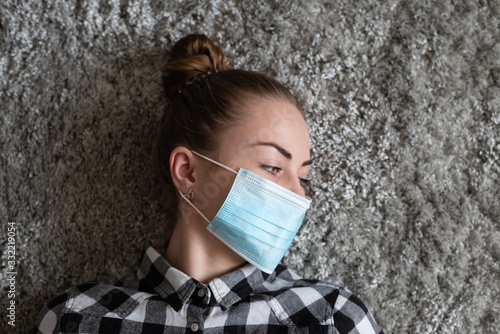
<point>234,155</point>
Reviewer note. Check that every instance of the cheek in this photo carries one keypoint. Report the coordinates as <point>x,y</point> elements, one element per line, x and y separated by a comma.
<point>213,192</point>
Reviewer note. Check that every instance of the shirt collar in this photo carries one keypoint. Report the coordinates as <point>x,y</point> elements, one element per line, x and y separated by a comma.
<point>176,287</point>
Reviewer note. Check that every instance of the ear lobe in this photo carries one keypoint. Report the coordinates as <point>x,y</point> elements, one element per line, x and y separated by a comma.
<point>181,168</point>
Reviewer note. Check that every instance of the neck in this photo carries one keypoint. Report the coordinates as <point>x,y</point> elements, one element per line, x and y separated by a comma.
<point>197,252</point>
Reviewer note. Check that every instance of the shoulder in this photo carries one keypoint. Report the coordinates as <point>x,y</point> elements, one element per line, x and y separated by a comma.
<point>48,317</point>
<point>90,301</point>
<point>350,314</point>
<point>301,302</point>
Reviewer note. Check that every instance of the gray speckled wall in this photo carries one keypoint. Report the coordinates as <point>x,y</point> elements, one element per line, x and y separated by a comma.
<point>403,105</point>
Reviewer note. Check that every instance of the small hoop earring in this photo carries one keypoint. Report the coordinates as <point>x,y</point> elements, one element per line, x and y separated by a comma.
<point>190,194</point>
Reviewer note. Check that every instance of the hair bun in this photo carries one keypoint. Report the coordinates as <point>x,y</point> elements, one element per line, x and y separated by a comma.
<point>191,58</point>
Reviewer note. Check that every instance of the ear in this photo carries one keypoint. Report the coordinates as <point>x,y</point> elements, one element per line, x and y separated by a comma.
<point>182,163</point>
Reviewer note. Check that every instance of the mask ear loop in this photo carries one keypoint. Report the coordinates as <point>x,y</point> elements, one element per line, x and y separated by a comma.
<point>194,207</point>
<point>215,162</point>
<point>218,164</point>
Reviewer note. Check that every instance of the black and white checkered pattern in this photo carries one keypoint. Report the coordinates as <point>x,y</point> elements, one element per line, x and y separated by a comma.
<point>164,300</point>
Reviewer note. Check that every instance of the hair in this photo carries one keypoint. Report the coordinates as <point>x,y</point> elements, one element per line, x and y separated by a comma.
<point>206,98</point>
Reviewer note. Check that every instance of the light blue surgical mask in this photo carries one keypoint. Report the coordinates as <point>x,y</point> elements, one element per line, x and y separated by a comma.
<point>259,218</point>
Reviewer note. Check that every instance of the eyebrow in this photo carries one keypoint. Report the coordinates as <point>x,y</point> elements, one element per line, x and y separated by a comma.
<point>283,151</point>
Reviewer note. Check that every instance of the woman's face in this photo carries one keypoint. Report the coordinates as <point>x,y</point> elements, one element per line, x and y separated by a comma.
<point>272,140</point>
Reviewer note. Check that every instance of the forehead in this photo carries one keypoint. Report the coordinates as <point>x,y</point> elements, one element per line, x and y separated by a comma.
<point>270,120</point>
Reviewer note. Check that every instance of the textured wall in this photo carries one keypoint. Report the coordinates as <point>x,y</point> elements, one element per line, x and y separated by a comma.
<point>403,105</point>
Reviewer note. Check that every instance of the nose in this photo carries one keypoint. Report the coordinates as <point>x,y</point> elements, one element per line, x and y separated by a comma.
<point>293,184</point>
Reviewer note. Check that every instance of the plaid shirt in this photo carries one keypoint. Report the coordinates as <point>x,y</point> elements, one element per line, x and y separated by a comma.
<point>162,299</point>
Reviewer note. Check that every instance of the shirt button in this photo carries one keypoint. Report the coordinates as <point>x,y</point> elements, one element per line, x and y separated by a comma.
<point>194,327</point>
<point>201,293</point>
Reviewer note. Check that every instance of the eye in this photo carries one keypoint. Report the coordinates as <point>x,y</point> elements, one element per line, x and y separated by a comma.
<point>304,182</point>
<point>272,169</point>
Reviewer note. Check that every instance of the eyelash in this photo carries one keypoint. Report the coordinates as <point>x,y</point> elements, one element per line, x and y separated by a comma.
<point>304,182</point>
<point>273,170</point>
